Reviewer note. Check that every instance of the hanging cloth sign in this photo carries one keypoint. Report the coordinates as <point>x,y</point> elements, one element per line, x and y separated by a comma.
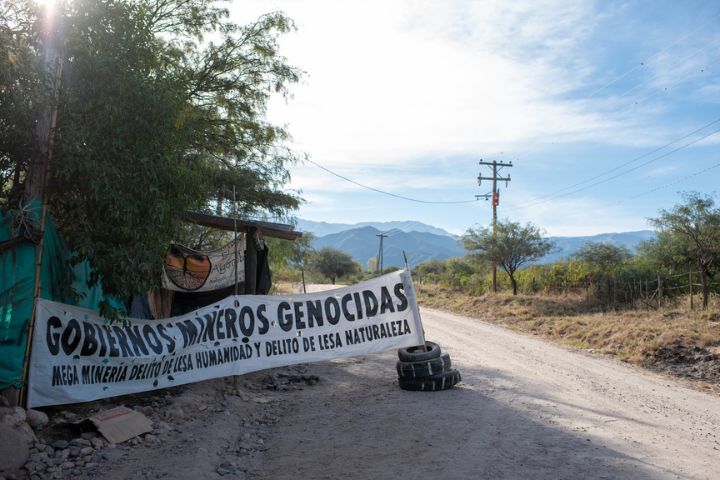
<point>187,270</point>
<point>78,356</point>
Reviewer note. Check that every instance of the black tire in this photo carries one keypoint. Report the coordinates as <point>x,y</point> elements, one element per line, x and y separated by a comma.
<point>425,368</point>
<point>418,354</point>
<point>434,383</point>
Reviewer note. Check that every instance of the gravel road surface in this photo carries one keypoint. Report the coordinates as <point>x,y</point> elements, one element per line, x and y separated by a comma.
<point>525,409</point>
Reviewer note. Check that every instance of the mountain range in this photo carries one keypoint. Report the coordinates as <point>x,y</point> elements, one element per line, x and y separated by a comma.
<point>320,229</point>
<point>422,242</point>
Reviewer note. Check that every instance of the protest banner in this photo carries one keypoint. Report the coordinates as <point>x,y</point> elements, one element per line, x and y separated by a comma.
<point>78,356</point>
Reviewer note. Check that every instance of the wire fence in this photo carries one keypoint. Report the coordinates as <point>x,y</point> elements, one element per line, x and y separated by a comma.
<point>651,292</point>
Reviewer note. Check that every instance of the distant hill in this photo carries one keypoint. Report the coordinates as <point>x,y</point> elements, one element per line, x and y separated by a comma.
<point>565,247</point>
<point>320,229</point>
<point>362,243</point>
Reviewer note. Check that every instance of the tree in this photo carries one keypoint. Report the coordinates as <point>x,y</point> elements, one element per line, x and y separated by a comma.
<point>689,235</point>
<point>511,246</point>
<point>333,263</point>
<point>603,257</point>
<point>301,253</point>
<point>161,109</point>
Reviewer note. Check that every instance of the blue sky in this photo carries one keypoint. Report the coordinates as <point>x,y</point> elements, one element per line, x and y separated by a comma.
<point>407,97</point>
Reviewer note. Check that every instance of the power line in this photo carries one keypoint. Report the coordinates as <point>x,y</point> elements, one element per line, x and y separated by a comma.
<point>559,193</point>
<point>625,93</point>
<point>680,180</point>
<point>402,197</point>
<point>677,82</point>
<point>643,63</point>
<point>651,57</point>
<point>641,165</point>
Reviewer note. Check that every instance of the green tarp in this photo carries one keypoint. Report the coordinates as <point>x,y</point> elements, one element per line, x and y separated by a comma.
<point>17,284</point>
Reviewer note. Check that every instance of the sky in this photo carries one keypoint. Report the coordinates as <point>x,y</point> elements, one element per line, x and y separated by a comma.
<point>608,110</point>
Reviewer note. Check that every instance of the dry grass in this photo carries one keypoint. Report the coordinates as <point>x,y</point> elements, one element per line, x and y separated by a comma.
<point>630,335</point>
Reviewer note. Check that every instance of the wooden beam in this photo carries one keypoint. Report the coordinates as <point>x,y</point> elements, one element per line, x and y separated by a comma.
<point>268,229</point>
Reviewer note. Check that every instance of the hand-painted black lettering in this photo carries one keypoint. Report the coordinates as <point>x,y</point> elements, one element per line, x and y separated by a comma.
<point>51,337</point>
<point>347,298</point>
<point>264,323</point>
<point>71,336</point>
<point>400,294</point>
<point>285,320</point>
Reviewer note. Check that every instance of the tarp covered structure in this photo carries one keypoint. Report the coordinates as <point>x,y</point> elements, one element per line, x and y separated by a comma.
<point>19,235</point>
<point>18,229</point>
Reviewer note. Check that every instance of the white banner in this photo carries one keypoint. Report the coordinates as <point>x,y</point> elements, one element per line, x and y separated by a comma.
<point>78,356</point>
<point>188,270</point>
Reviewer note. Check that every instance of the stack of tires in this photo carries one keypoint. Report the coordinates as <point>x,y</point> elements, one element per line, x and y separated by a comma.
<point>426,369</point>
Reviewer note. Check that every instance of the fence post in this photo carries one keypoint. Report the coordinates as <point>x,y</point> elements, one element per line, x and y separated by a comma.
<point>660,291</point>
<point>691,290</point>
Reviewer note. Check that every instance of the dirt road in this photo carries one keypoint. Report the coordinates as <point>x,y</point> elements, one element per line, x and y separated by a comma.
<point>525,409</point>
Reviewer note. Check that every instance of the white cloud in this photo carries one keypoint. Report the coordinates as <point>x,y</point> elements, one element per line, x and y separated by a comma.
<point>389,81</point>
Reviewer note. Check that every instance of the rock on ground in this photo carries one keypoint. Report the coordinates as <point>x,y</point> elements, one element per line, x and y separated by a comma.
<point>14,448</point>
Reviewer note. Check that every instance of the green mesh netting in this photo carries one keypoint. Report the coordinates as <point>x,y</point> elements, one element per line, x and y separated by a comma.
<point>17,283</point>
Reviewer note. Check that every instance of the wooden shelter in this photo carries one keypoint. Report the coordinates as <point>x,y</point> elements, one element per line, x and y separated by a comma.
<point>251,229</point>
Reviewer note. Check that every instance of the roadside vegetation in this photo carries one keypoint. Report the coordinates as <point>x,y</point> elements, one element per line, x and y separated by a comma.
<point>659,308</point>
<point>649,337</point>
<point>159,108</point>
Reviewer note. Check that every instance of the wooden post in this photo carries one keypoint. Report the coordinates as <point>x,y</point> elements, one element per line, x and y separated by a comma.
<point>660,291</point>
<point>691,290</point>
<point>251,262</point>
<point>235,237</point>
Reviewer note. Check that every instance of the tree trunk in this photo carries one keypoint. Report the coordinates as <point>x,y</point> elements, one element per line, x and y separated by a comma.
<point>302,274</point>
<point>514,284</point>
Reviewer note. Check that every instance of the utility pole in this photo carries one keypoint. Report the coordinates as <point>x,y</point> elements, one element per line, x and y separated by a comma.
<point>496,167</point>
<point>380,252</point>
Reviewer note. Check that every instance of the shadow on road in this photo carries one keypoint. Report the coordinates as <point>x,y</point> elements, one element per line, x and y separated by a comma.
<point>357,424</point>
